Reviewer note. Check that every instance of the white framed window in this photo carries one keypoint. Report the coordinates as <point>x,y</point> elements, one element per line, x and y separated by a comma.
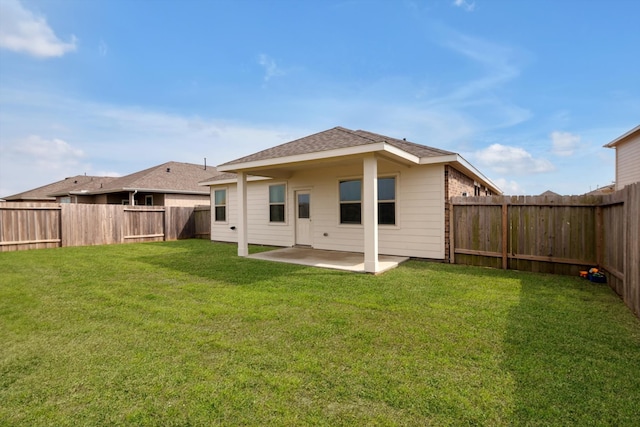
<point>277,202</point>
<point>220,205</point>
<point>148,200</point>
<point>351,201</point>
<point>387,201</point>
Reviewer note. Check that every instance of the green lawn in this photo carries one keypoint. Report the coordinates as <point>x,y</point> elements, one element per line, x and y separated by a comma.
<point>186,333</point>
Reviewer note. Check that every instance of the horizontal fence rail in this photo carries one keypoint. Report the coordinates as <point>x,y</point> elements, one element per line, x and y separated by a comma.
<point>47,225</point>
<point>553,234</point>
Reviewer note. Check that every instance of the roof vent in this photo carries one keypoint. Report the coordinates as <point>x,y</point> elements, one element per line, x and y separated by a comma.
<point>168,169</point>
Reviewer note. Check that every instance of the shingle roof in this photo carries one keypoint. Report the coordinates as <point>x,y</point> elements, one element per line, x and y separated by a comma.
<point>410,147</point>
<point>167,177</point>
<point>172,176</point>
<point>84,186</point>
<point>336,138</point>
<point>45,192</point>
<point>221,177</point>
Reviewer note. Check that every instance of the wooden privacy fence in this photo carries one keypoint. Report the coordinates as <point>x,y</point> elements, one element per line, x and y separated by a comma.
<point>202,221</point>
<point>46,225</point>
<point>560,235</point>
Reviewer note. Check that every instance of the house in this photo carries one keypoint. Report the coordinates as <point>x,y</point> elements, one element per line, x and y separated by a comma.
<point>627,148</point>
<point>601,191</point>
<point>44,193</point>
<point>168,184</point>
<point>344,190</point>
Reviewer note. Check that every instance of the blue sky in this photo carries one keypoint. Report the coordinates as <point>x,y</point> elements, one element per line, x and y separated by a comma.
<point>527,91</point>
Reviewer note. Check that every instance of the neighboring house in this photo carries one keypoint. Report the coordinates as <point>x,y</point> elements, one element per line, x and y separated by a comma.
<point>343,190</point>
<point>44,193</point>
<point>168,184</point>
<point>627,149</point>
<point>601,191</point>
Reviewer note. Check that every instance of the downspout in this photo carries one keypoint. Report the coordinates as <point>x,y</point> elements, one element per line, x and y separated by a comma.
<point>132,200</point>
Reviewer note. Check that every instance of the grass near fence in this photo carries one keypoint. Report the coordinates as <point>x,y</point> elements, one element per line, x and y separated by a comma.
<point>186,333</point>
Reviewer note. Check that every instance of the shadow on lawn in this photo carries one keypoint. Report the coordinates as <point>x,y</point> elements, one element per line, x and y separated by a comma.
<point>570,349</point>
<point>219,262</point>
<point>571,360</point>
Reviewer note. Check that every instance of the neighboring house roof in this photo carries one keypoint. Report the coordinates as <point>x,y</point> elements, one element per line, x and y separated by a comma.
<point>549,193</point>
<point>341,142</point>
<point>45,192</point>
<point>606,189</point>
<point>170,177</point>
<point>623,138</point>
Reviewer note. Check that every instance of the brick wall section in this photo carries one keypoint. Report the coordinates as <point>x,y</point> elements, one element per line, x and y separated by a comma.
<point>457,184</point>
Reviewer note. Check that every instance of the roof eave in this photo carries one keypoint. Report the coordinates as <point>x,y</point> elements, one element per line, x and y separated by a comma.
<point>167,191</point>
<point>131,189</point>
<point>623,137</point>
<point>376,147</point>
<point>29,198</point>
<point>232,180</point>
<point>458,160</point>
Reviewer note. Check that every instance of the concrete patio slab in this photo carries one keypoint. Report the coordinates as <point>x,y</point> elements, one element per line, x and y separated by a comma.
<point>348,261</point>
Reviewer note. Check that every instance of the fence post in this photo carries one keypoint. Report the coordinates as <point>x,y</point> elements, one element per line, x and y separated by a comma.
<point>61,213</point>
<point>505,236</point>
<point>165,219</point>
<point>452,240</point>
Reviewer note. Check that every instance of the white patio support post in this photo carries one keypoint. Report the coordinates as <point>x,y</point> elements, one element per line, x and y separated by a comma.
<point>370,213</point>
<point>243,239</point>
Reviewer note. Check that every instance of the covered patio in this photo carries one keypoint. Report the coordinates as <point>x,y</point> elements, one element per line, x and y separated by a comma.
<point>337,260</point>
<point>340,190</point>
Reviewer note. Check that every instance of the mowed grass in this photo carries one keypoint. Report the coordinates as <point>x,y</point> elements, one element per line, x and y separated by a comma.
<point>186,333</point>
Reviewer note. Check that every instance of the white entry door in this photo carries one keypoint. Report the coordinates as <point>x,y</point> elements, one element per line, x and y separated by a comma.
<point>303,218</point>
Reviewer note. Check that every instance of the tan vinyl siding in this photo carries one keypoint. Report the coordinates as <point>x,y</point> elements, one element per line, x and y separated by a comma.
<point>628,162</point>
<point>221,231</point>
<point>184,200</point>
<point>419,229</point>
<point>420,214</point>
<point>261,232</point>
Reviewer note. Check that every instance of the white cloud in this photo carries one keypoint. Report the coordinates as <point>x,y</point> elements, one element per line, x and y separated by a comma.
<point>48,150</point>
<point>23,31</point>
<point>504,159</point>
<point>509,187</point>
<point>491,67</point>
<point>564,143</point>
<point>33,161</point>
<point>271,69</point>
<point>468,6</point>
<point>113,140</point>
<point>500,62</point>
